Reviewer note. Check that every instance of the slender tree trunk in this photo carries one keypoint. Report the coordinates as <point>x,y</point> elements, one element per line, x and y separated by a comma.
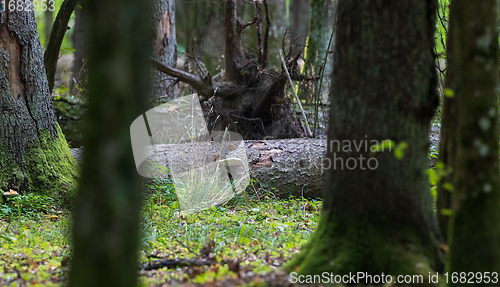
<point>56,38</point>
<point>234,54</point>
<point>448,142</point>
<point>106,226</point>
<point>78,38</point>
<point>320,30</point>
<point>380,218</point>
<point>164,45</point>
<point>34,156</point>
<point>48,21</point>
<point>475,231</point>
<point>300,15</point>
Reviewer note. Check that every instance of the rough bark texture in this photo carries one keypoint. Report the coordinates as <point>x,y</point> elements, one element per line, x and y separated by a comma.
<point>55,40</point>
<point>475,232</point>
<point>234,54</point>
<point>384,87</point>
<point>288,167</point>
<point>164,46</point>
<point>34,156</point>
<point>106,226</point>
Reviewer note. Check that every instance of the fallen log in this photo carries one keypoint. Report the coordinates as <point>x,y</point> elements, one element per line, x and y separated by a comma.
<point>279,168</point>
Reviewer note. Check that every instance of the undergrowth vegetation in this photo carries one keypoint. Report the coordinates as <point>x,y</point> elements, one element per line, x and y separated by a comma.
<point>245,241</point>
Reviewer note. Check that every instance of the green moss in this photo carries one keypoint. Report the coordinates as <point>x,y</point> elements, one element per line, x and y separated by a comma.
<point>366,244</point>
<point>49,168</point>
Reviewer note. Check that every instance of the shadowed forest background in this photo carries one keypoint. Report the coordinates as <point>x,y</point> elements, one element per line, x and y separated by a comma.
<point>369,132</point>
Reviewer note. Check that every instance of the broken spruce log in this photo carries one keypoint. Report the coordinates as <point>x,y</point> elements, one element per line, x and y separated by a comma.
<point>280,167</point>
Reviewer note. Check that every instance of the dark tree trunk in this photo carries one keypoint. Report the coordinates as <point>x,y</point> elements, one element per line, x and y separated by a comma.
<point>379,219</point>
<point>164,46</point>
<point>475,233</point>
<point>56,38</point>
<point>300,15</point>
<point>34,156</point>
<point>234,54</point>
<point>78,38</point>
<point>106,226</point>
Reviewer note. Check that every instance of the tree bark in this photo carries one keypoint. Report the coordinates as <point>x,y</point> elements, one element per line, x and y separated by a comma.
<point>56,38</point>
<point>34,156</point>
<point>107,212</point>
<point>288,167</point>
<point>234,54</point>
<point>79,44</point>
<point>164,46</point>
<point>300,15</point>
<point>320,30</point>
<point>475,232</point>
<point>379,219</point>
<point>448,142</point>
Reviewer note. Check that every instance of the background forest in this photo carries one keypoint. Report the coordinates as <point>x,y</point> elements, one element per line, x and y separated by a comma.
<point>368,131</point>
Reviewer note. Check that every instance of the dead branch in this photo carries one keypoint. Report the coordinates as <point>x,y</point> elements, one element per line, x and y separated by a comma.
<point>259,34</point>
<point>173,263</point>
<point>197,83</point>
<point>266,36</point>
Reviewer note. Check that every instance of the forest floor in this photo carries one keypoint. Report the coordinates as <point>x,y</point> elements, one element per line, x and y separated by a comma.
<point>245,242</point>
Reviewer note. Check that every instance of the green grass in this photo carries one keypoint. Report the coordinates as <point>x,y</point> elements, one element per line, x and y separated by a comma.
<point>260,234</point>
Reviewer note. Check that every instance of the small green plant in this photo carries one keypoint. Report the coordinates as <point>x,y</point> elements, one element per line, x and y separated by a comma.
<point>29,205</point>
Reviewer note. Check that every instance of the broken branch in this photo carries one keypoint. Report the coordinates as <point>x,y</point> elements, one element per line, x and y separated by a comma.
<point>196,82</point>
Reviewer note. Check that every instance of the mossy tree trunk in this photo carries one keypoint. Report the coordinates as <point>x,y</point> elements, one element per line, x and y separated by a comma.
<point>384,88</point>
<point>106,226</point>
<point>34,156</point>
<point>475,231</point>
<point>448,142</point>
<point>164,46</point>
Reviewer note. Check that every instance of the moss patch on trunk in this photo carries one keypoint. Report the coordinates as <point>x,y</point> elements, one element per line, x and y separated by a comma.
<point>366,244</point>
<point>48,168</point>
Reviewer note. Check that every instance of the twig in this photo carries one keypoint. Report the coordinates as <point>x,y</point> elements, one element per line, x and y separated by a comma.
<point>182,244</point>
<point>259,34</point>
<point>252,120</point>
<point>318,90</point>
<point>173,263</point>
<point>266,36</point>
<point>295,93</point>
<point>196,59</point>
